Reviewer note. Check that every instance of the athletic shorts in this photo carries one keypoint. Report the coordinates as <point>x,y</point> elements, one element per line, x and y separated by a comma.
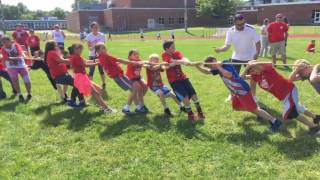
<point>123,82</point>
<point>60,44</point>
<point>244,103</point>
<point>141,82</point>
<point>278,47</point>
<point>291,106</point>
<point>183,89</point>
<point>14,73</point>
<point>161,89</point>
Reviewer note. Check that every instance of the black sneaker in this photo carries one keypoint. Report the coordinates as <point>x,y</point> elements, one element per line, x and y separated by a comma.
<point>167,112</point>
<point>275,126</point>
<point>83,104</point>
<point>29,96</point>
<point>3,95</point>
<point>183,109</point>
<point>316,120</point>
<point>314,130</point>
<point>145,109</point>
<point>21,98</point>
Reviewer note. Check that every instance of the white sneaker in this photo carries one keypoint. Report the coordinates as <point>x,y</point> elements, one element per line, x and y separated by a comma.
<point>228,99</point>
<point>109,111</point>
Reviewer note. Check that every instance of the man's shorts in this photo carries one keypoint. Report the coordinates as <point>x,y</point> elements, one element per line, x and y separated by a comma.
<point>244,103</point>
<point>278,47</point>
<point>161,89</point>
<point>183,89</point>
<point>291,106</point>
<point>123,82</point>
<point>14,73</point>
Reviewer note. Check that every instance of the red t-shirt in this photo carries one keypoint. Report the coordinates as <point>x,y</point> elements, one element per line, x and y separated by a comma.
<point>2,67</point>
<point>56,68</point>
<point>77,64</point>
<point>34,41</point>
<point>133,71</point>
<point>174,73</point>
<point>311,47</point>
<point>154,78</point>
<point>110,65</point>
<point>276,31</point>
<point>273,82</point>
<point>21,37</point>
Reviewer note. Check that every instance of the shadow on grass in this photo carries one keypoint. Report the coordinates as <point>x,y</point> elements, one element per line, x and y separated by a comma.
<point>160,123</point>
<point>302,147</point>
<point>77,120</point>
<point>11,106</point>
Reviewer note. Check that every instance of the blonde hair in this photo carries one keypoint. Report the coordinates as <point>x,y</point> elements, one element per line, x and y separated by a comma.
<point>301,62</point>
<point>154,56</point>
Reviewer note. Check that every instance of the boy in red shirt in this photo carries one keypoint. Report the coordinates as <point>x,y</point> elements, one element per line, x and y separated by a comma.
<point>155,83</point>
<point>21,36</point>
<point>33,42</point>
<point>179,81</point>
<point>134,75</point>
<point>311,48</point>
<point>284,90</point>
<point>111,65</point>
<point>277,35</point>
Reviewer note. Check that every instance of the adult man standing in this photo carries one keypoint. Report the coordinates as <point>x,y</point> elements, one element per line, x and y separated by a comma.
<point>246,42</point>
<point>58,36</point>
<point>21,36</point>
<point>277,35</point>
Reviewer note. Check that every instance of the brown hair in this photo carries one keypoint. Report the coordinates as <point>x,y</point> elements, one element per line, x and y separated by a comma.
<point>210,59</point>
<point>132,51</point>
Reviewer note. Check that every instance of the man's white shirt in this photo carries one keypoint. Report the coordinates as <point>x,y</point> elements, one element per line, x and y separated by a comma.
<point>95,39</point>
<point>244,42</point>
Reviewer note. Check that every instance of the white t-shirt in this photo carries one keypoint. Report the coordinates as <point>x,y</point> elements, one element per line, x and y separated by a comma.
<point>264,29</point>
<point>58,36</point>
<point>93,40</point>
<point>13,52</point>
<point>244,42</point>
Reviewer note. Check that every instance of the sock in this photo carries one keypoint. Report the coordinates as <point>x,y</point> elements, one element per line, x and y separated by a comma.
<point>139,106</point>
<point>273,120</point>
<point>126,107</point>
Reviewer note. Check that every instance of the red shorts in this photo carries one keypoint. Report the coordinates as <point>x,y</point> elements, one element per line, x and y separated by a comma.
<point>244,103</point>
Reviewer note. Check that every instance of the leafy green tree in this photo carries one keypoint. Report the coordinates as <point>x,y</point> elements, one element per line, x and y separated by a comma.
<point>217,8</point>
<point>58,12</point>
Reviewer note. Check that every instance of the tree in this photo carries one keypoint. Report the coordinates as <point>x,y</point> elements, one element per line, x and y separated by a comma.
<point>59,13</point>
<point>75,4</point>
<point>217,8</point>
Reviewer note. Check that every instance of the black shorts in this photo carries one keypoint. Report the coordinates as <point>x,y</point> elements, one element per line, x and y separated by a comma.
<point>183,89</point>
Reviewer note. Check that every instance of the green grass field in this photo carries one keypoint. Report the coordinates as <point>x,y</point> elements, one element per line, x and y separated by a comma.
<point>46,140</point>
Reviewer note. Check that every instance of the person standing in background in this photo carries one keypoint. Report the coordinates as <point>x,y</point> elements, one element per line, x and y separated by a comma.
<point>264,38</point>
<point>277,35</point>
<point>33,42</point>
<point>20,36</point>
<point>58,36</point>
<point>92,39</point>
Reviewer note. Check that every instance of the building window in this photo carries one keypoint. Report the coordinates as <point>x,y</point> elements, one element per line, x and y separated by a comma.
<point>316,16</point>
<point>171,20</point>
<point>161,20</point>
<point>181,20</point>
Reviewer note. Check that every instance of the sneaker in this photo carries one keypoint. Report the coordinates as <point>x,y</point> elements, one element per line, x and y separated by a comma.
<point>83,104</point>
<point>145,109</point>
<point>183,109</point>
<point>72,104</point>
<point>126,111</point>
<point>191,117</point>
<point>167,112</point>
<point>201,115</point>
<point>228,99</point>
<point>28,97</point>
<point>140,111</point>
<point>317,119</point>
<point>314,130</point>
<point>109,111</point>
<point>274,127</point>
<point>21,98</point>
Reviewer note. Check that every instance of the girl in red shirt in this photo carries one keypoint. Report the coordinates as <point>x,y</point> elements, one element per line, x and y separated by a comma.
<point>138,84</point>
<point>82,81</point>
<point>311,48</point>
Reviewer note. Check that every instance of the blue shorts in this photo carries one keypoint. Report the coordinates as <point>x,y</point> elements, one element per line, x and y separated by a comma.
<point>183,89</point>
<point>161,89</point>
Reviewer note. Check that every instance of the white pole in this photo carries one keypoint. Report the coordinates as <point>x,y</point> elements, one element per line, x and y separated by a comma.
<point>185,16</point>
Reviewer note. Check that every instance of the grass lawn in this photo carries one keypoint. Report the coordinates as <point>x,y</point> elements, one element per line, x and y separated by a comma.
<point>46,140</point>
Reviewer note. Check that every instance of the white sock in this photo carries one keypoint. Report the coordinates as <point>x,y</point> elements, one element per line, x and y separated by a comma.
<point>139,106</point>
<point>126,107</point>
<point>273,120</point>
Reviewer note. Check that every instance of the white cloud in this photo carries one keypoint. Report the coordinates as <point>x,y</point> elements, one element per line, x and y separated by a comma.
<point>42,4</point>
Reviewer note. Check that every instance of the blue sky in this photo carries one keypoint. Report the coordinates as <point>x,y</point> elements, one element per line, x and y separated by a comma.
<point>42,4</point>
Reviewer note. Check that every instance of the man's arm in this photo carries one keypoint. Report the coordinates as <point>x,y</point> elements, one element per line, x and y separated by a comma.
<point>315,76</point>
<point>224,48</point>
